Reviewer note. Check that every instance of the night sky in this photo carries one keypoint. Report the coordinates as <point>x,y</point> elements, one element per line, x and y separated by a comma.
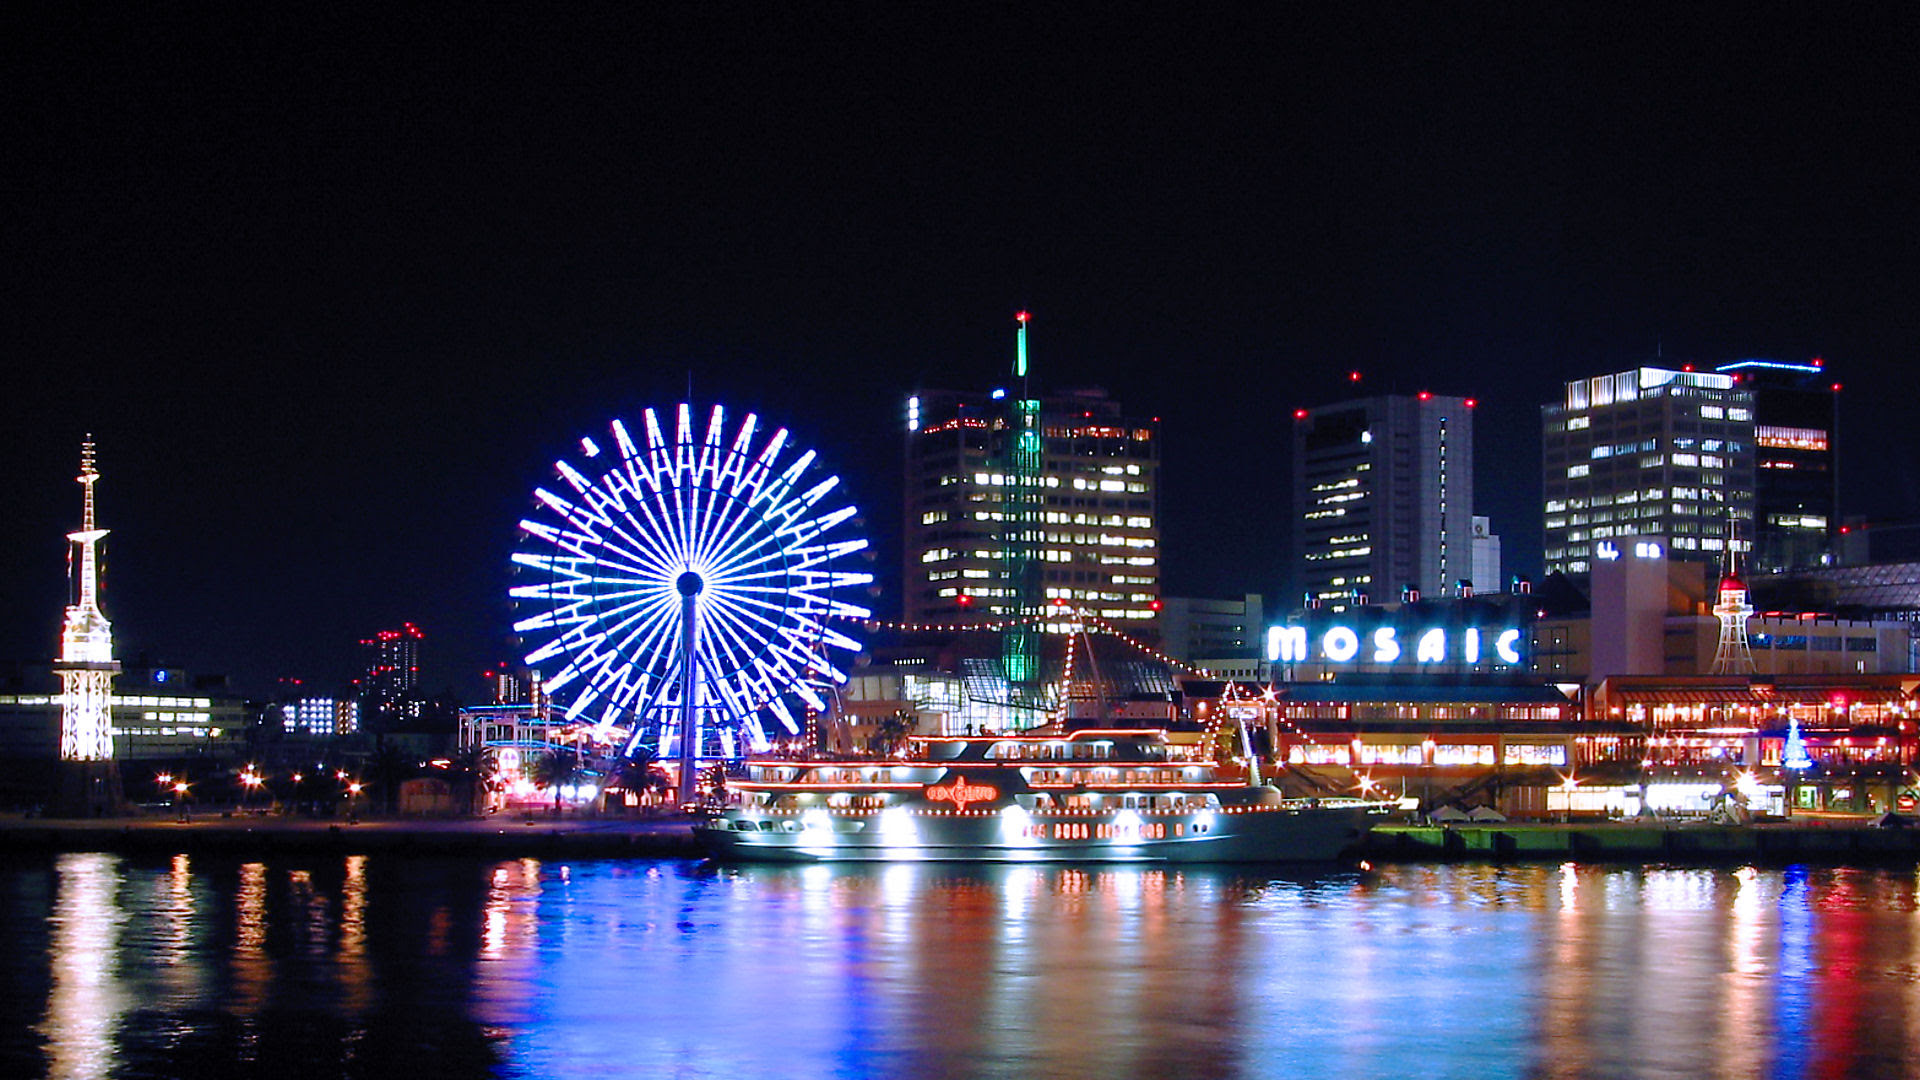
<point>332,293</point>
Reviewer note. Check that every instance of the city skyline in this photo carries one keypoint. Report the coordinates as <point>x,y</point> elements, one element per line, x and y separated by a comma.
<point>333,298</point>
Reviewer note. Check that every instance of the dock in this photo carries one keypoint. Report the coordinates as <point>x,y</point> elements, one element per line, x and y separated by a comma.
<point>1818,841</point>
<point>246,834</point>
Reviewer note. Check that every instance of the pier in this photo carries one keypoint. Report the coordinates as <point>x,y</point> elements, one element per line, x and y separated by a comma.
<point>1821,840</point>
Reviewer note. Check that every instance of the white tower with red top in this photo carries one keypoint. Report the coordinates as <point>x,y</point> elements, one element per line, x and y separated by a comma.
<point>1733,656</point>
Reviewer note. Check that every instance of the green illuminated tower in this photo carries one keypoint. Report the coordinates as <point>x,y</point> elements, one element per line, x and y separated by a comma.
<point>1020,535</point>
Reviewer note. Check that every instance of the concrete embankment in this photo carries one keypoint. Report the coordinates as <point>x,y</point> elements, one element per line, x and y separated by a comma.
<point>672,838</point>
<point>1636,842</point>
<point>506,837</point>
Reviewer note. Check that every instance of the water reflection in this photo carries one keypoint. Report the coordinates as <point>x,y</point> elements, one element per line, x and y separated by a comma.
<point>251,966</point>
<point>421,967</point>
<point>86,997</point>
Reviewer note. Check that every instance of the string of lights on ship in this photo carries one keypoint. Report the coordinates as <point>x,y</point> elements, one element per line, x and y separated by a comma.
<point>1100,625</point>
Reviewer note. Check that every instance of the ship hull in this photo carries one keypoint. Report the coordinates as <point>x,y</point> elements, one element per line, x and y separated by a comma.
<point>1306,834</point>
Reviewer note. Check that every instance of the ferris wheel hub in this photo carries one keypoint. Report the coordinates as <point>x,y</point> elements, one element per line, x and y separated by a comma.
<point>690,583</point>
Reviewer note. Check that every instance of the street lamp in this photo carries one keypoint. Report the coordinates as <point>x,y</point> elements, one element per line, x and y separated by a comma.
<point>180,798</point>
<point>353,804</point>
<point>1426,774</point>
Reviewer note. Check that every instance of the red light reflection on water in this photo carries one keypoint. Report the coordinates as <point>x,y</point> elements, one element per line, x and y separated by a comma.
<point>591,968</point>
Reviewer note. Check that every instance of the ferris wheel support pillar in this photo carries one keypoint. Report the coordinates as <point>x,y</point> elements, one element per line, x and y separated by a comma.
<point>689,585</point>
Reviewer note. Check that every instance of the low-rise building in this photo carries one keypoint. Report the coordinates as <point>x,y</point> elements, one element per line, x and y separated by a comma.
<point>158,714</point>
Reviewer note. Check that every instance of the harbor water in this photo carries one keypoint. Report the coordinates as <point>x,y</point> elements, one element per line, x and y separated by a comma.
<point>392,965</point>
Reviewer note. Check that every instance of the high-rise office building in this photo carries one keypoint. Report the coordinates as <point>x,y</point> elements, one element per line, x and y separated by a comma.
<point>389,689</point>
<point>1094,537</point>
<point>1795,494</point>
<point>319,717</point>
<point>1198,629</point>
<point>1652,454</point>
<point>1486,575</point>
<point>1383,498</point>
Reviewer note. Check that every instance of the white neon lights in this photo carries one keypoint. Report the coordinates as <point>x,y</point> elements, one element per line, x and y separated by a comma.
<point>1339,644</point>
<point>614,548</point>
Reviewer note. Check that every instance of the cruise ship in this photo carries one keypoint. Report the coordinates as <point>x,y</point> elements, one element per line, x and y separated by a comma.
<point>1128,795</point>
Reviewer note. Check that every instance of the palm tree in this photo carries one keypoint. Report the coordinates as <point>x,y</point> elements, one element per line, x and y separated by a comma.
<point>890,734</point>
<point>555,769</point>
<point>390,765</point>
<point>466,771</point>
<point>642,774</point>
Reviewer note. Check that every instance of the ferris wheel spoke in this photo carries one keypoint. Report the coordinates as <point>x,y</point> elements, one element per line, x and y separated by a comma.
<point>662,539</point>
<point>762,554</point>
<point>643,637</point>
<point>581,544</point>
<point>808,556</point>
<point>775,492</point>
<point>754,613</point>
<point>741,641</point>
<point>802,531</point>
<point>716,525</point>
<point>738,460</point>
<point>756,478</point>
<point>734,530</point>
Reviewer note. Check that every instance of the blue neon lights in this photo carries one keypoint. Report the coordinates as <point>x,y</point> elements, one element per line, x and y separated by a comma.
<point>612,549</point>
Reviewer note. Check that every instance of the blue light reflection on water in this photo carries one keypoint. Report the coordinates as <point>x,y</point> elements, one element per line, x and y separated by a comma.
<point>379,965</point>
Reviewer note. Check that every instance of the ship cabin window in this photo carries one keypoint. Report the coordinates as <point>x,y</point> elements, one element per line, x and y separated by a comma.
<point>1006,751</point>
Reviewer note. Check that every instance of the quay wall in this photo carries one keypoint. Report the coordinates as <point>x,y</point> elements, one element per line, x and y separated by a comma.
<point>671,838</point>
<point>507,838</point>
<point>1632,842</point>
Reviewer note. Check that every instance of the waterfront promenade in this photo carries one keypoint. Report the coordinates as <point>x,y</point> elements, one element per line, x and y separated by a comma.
<point>240,833</point>
<point>1822,839</point>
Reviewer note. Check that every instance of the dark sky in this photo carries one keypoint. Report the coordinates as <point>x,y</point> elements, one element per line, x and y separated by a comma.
<point>333,293</point>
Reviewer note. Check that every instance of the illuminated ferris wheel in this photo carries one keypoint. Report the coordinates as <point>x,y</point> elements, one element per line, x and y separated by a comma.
<point>688,581</point>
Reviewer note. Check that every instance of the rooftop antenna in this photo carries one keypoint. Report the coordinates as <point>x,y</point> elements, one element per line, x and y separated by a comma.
<point>1019,538</point>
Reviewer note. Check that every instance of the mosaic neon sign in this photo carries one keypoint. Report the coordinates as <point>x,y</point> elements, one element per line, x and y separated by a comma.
<point>960,793</point>
<point>1340,644</point>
